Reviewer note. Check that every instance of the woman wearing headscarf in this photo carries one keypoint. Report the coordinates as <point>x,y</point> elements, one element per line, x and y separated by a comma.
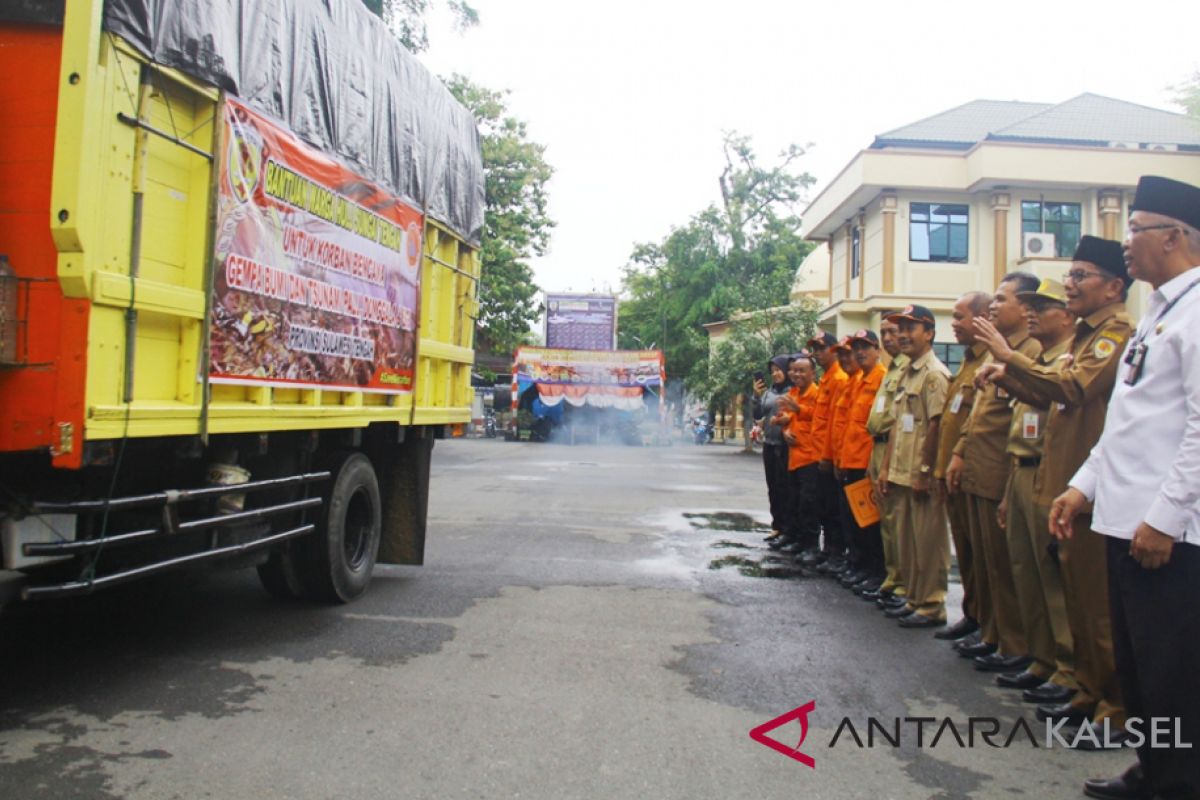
<point>766,407</point>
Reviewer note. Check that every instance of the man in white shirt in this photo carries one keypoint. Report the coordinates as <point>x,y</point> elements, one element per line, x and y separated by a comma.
<point>1144,478</point>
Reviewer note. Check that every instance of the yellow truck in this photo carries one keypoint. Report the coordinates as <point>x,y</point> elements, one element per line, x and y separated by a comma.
<point>238,285</point>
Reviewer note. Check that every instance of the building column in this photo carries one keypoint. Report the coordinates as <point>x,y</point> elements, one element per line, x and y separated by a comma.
<point>1000,204</point>
<point>1109,203</point>
<point>849,256</point>
<point>888,206</point>
<point>861,224</point>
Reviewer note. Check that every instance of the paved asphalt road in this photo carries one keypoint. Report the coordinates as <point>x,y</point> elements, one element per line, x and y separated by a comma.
<point>573,634</point>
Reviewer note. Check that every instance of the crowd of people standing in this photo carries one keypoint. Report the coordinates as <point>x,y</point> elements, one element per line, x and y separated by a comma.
<point>1062,459</point>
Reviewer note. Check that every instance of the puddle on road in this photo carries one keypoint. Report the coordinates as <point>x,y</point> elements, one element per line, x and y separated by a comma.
<point>726,521</point>
<point>766,567</point>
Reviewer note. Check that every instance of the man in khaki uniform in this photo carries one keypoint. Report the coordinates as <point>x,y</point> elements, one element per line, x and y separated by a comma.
<point>924,546</point>
<point>1096,287</point>
<point>961,396</point>
<point>979,467</point>
<point>879,425</point>
<point>1036,575</point>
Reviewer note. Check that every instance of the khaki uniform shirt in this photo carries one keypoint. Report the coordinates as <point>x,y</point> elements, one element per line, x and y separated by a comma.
<point>1028,429</point>
<point>920,398</point>
<point>1078,395</point>
<point>985,434</point>
<point>882,410</point>
<point>961,400</point>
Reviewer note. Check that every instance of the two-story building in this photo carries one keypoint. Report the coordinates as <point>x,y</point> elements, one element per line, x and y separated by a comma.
<point>953,202</point>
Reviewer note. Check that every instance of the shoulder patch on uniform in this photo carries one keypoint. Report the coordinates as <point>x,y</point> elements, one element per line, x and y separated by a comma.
<point>1106,345</point>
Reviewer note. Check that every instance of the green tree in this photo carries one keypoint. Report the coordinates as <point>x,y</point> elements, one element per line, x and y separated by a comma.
<point>751,341</point>
<point>1187,95</point>
<point>516,224</point>
<point>406,18</point>
<point>738,255</point>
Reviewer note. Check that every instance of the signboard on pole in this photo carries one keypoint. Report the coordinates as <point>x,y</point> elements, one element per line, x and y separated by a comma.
<point>581,321</point>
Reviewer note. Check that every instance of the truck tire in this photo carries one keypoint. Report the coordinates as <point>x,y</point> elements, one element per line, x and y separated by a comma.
<point>337,560</point>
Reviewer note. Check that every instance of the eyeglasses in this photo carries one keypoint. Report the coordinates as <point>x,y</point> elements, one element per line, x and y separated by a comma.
<point>1079,275</point>
<point>1135,229</point>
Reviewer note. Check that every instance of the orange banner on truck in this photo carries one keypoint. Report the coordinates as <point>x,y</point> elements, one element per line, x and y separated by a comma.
<point>317,269</point>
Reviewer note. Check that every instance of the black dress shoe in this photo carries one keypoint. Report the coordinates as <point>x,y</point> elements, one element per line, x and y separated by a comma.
<point>998,662</point>
<point>896,612</point>
<point>1048,694</point>
<point>832,566</point>
<point>1073,715</point>
<point>866,586</point>
<point>895,601</point>
<point>968,640</point>
<point>915,620</point>
<point>780,543</point>
<point>852,577</point>
<point>964,627</point>
<point>1018,680</point>
<point>977,650</point>
<point>870,596</point>
<point>1129,785</point>
<point>811,557</point>
<point>1094,736</point>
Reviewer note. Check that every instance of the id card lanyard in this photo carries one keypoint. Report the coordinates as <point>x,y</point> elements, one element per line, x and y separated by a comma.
<point>1136,357</point>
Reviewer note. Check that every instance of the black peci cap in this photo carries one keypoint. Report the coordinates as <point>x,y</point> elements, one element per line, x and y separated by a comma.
<point>1105,254</point>
<point>1174,199</point>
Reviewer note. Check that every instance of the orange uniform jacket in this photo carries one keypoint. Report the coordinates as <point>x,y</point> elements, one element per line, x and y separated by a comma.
<point>831,382</point>
<point>841,415</point>
<point>857,443</point>
<point>800,425</point>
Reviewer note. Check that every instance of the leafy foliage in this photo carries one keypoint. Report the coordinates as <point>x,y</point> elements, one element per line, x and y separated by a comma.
<point>752,340</point>
<point>1187,95</point>
<point>516,225</point>
<point>740,255</point>
<point>406,18</point>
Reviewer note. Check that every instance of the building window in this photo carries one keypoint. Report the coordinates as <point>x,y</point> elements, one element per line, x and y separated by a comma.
<point>949,354</point>
<point>1060,219</point>
<point>937,232</point>
<point>855,252</point>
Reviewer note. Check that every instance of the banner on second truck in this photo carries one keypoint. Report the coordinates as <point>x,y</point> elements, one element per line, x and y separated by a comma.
<point>317,269</point>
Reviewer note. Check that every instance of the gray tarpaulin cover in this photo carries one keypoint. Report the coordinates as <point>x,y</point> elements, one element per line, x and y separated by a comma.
<point>334,74</point>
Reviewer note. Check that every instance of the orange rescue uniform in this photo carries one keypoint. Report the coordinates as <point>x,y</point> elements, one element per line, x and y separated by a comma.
<point>857,443</point>
<point>800,426</point>
<point>831,383</point>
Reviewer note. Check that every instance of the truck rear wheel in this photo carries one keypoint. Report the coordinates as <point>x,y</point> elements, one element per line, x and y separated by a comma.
<point>337,560</point>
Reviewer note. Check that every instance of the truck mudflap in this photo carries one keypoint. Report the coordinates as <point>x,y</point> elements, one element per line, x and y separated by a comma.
<point>172,527</point>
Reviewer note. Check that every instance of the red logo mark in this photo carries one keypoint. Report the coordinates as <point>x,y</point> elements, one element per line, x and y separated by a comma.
<point>800,715</point>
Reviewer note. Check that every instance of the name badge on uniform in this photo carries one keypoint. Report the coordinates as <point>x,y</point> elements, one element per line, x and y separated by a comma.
<point>1029,427</point>
<point>956,403</point>
<point>1003,395</point>
<point>879,401</point>
<point>907,423</point>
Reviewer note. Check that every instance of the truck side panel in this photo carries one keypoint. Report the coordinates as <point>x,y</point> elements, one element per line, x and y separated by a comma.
<point>42,401</point>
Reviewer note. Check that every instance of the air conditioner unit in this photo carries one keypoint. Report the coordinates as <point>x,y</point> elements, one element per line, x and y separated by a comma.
<point>1038,245</point>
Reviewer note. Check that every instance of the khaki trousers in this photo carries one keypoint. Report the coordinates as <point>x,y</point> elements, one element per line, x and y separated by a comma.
<point>1084,560</point>
<point>887,527</point>
<point>924,549</point>
<point>987,534</point>
<point>1037,580</point>
<point>960,532</point>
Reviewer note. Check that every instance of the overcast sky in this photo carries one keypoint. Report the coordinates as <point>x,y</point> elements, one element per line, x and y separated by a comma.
<point>631,98</point>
